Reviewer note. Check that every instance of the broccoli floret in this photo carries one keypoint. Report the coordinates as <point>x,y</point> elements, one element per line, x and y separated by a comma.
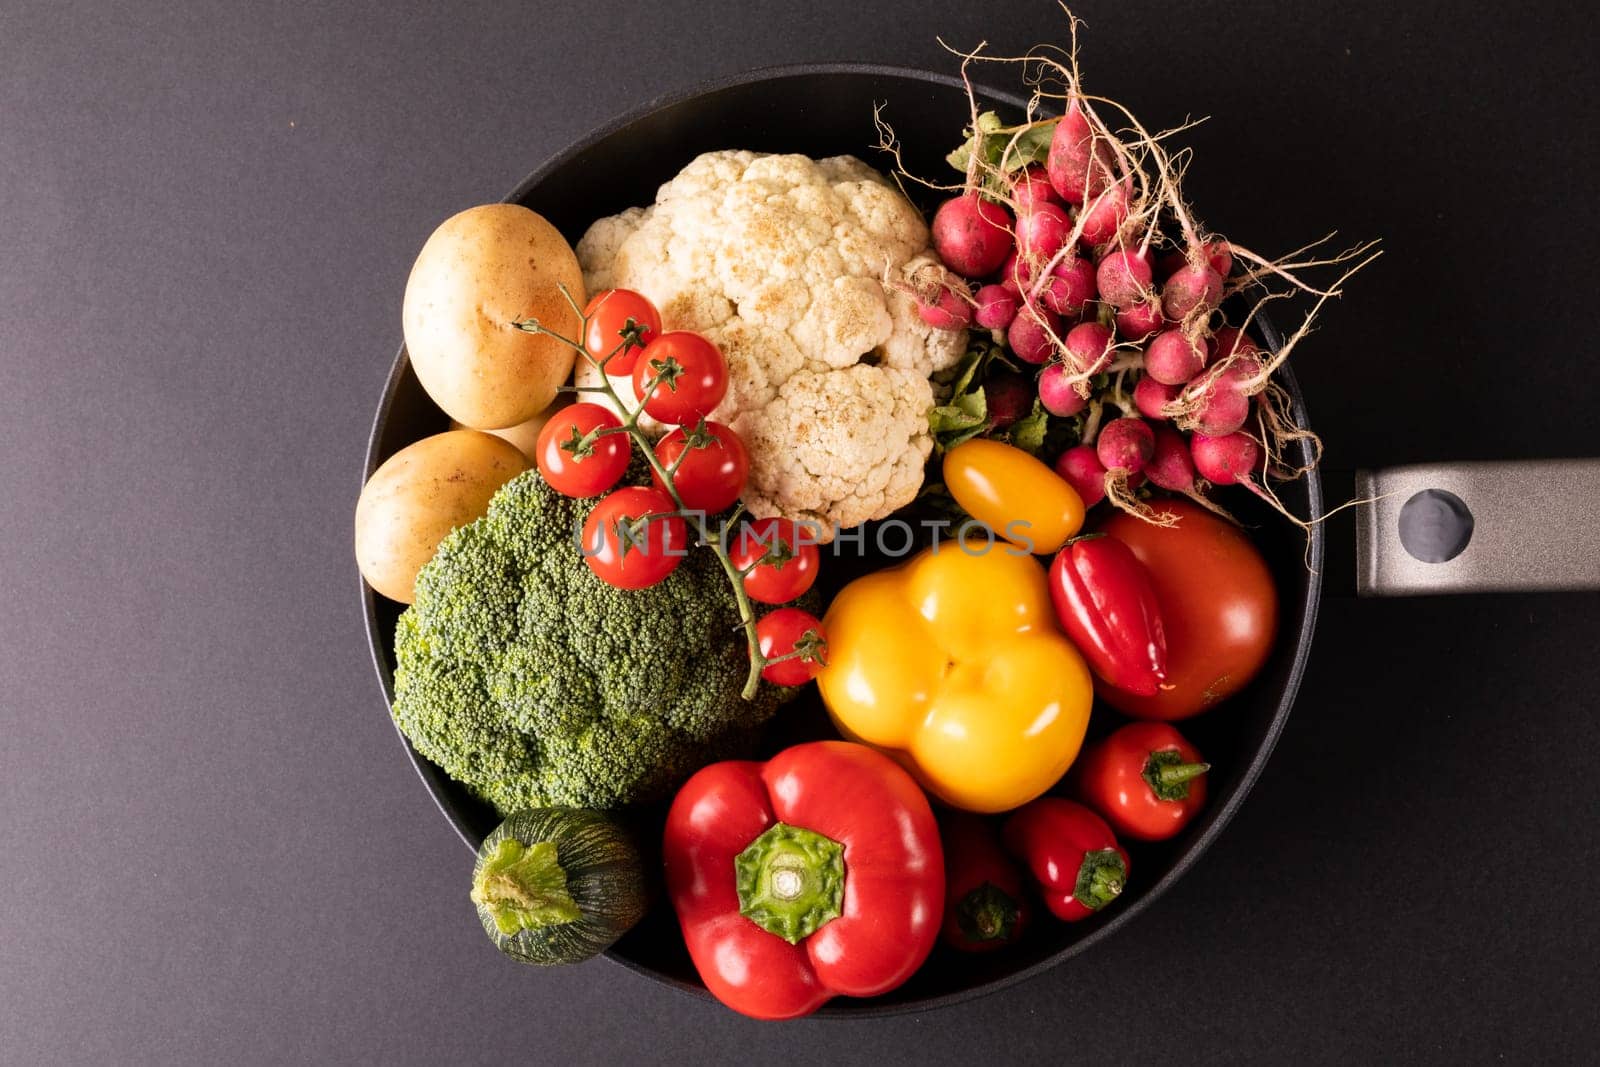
<point>534,683</point>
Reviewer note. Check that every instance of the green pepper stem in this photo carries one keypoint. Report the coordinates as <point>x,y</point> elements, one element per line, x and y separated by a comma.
<point>790,881</point>
<point>1101,877</point>
<point>1182,772</point>
<point>1168,775</point>
<point>987,913</point>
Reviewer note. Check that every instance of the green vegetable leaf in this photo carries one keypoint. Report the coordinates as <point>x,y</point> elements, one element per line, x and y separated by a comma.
<point>960,158</point>
<point>963,418</point>
<point>1032,145</point>
<point>967,410</point>
<point>975,358</point>
<point>965,414</point>
<point>1002,148</point>
<point>1028,432</point>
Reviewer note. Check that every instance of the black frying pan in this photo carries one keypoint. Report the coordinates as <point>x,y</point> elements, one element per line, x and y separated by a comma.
<point>827,110</point>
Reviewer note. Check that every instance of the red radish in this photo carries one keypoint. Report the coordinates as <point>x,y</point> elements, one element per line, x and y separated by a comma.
<point>1008,396</point>
<point>1125,445</point>
<point>1224,406</point>
<point>1055,294</point>
<point>949,310</point>
<point>1104,215</point>
<point>1059,396</point>
<point>1220,256</point>
<point>1016,274</point>
<point>1088,346</point>
<point>1151,396</point>
<point>1081,468</point>
<point>1191,290</point>
<point>1228,340</point>
<point>997,306</point>
<point>1042,230</point>
<point>1227,460</point>
<point>1123,278</point>
<point>1030,334</point>
<point>1079,164</point>
<point>1170,466</point>
<point>972,235</point>
<point>1222,411</point>
<point>1070,286</point>
<point>1032,186</point>
<point>1139,321</point>
<point>1173,359</point>
<point>1217,254</point>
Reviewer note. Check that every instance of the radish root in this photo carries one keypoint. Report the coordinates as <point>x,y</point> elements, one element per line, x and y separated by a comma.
<point>1127,159</point>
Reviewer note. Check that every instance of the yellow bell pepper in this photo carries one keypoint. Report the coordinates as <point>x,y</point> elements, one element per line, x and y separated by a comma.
<point>953,664</point>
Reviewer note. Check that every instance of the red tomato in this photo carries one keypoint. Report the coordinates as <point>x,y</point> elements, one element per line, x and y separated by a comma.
<point>576,469</point>
<point>777,557</point>
<point>690,378</point>
<point>713,470</point>
<point>627,552</point>
<point>782,632</point>
<point>619,317</point>
<point>1218,605</point>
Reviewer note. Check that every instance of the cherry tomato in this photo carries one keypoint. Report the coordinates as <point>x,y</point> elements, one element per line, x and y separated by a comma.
<point>581,471</point>
<point>1018,497</point>
<point>714,467</point>
<point>1218,606</point>
<point>778,559</point>
<point>690,376</point>
<point>627,552</point>
<point>781,632</point>
<point>614,316</point>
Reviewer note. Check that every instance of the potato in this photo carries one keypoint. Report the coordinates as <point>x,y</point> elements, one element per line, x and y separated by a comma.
<point>419,495</point>
<point>481,270</point>
<point>525,435</point>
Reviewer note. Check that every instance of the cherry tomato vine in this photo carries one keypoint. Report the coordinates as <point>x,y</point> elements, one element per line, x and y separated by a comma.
<point>689,361</point>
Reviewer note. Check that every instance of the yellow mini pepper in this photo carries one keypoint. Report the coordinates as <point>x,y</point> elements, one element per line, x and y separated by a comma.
<point>953,664</point>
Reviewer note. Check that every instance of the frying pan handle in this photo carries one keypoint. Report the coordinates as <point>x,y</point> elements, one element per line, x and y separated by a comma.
<point>1527,525</point>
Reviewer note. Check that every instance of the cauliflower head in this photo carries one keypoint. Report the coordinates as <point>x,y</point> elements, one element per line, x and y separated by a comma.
<point>782,260</point>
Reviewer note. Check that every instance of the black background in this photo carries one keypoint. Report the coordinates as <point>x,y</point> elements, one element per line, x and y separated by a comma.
<point>211,844</point>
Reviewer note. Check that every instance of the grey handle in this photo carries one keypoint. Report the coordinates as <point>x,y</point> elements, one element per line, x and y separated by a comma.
<point>1479,527</point>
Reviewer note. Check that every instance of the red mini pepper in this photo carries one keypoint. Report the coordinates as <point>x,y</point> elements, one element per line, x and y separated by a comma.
<point>1145,778</point>
<point>1107,605</point>
<point>815,874</point>
<point>1071,853</point>
<point>985,907</point>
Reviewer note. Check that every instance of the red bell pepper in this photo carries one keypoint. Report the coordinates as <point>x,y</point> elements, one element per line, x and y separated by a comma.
<point>1071,852</point>
<point>985,907</point>
<point>1146,779</point>
<point>815,874</point>
<point>1106,603</point>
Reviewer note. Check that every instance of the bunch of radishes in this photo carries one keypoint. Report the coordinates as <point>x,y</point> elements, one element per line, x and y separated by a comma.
<point>1090,266</point>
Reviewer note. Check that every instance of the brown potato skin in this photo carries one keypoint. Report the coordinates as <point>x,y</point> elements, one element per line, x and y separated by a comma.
<point>419,495</point>
<point>479,271</point>
<point>525,435</point>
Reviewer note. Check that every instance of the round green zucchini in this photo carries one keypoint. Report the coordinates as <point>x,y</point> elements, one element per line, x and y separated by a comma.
<point>557,885</point>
